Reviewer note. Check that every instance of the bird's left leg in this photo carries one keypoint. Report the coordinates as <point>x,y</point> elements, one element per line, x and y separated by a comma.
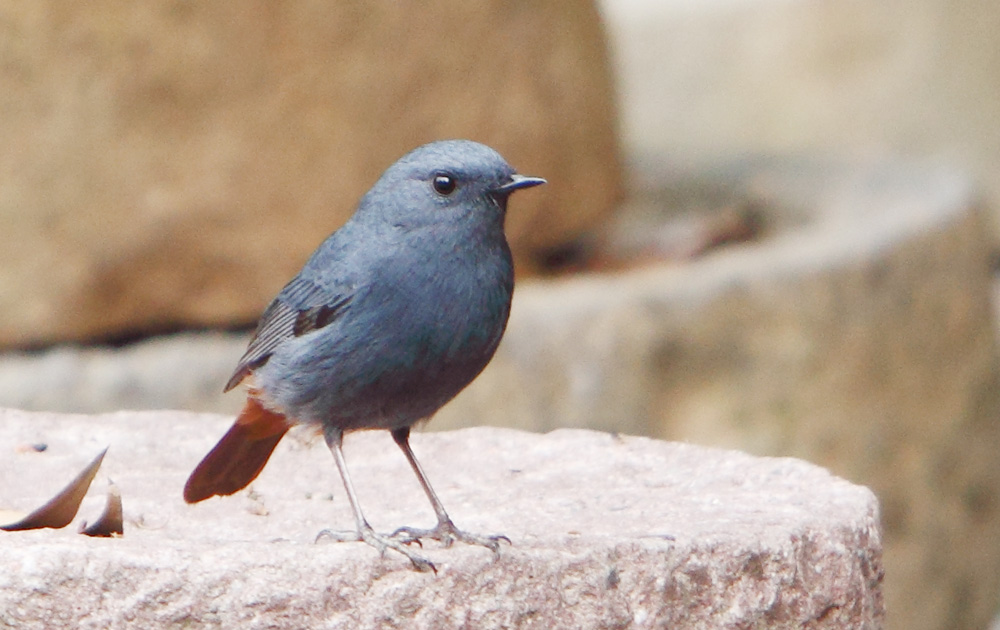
<point>445,530</point>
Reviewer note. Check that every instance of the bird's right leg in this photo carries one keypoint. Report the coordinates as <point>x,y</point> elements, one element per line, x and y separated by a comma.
<point>334,439</point>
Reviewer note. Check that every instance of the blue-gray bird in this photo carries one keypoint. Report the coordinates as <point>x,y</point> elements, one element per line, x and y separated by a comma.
<point>392,316</point>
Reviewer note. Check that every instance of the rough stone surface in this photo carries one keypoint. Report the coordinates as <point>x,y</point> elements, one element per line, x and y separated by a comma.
<point>171,164</point>
<point>757,543</point>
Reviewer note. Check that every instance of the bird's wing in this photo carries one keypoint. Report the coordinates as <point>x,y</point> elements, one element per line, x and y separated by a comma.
<point>302,307</point>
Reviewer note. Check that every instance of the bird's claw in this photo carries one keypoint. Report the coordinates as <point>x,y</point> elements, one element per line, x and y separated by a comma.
<point>446,533</point>
<point>380,542</point>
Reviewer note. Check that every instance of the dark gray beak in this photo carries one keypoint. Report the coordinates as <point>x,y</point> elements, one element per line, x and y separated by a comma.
<point>518,182</point>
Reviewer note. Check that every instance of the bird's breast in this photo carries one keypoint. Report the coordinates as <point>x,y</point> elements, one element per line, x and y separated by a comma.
<point>412,337</point>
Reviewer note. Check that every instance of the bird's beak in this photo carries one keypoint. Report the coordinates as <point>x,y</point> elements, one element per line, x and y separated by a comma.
<point>518,182</point>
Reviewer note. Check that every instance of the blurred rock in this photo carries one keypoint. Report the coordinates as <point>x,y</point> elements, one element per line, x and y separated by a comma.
<point>705,81</point>
<point>171,164</point>
<point>756,542</point>
<point>186,371</point>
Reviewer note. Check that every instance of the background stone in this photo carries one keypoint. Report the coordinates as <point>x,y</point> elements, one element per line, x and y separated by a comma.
<point>171,164</point>
<point>705,81</point>
<point>182,371</point>
<point>774,543</point>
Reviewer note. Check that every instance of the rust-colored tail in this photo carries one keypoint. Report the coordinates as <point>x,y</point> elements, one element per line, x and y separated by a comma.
<point>239,456</point>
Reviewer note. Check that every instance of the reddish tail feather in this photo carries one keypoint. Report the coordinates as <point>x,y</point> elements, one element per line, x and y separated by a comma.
<point>239,456</point>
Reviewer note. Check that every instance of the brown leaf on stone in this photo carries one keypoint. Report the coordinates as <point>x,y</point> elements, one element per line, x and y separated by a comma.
<point>59,510</point>
<point>110,523</point>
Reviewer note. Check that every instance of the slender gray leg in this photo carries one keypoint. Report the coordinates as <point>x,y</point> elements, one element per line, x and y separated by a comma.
<point>334,439</point>
<point>445,530</point>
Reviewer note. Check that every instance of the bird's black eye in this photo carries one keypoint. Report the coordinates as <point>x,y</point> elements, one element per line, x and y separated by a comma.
<point>444,184</point>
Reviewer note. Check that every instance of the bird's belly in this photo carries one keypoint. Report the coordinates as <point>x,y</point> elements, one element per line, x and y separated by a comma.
<point>385,372</point>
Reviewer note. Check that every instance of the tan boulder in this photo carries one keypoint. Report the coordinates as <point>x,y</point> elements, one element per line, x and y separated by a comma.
<point>171,164</point>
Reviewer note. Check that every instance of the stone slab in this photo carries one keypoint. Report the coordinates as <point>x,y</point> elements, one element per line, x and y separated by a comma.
<point>608,532</point>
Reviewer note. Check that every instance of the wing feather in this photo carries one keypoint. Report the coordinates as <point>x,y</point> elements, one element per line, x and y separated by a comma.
<point>302,307</point>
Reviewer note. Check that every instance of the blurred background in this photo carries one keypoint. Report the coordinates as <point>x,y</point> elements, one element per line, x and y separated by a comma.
<point>770,225</point>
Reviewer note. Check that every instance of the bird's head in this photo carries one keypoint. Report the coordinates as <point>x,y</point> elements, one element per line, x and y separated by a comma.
<point>445,181</point>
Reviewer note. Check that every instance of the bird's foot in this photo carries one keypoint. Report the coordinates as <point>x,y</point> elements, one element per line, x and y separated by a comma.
<point>381,542</point>
<point>447,534</point>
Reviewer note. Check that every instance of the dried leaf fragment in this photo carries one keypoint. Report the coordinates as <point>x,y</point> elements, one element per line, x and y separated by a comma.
<point>110,522</point>
<point>60,510</point>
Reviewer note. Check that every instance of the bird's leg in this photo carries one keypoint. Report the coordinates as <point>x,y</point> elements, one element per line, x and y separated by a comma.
<point>334,439</point>
<point>445,530</point>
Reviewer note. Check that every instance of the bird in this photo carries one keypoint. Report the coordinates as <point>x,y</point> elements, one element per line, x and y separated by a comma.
<point>391,317</point>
